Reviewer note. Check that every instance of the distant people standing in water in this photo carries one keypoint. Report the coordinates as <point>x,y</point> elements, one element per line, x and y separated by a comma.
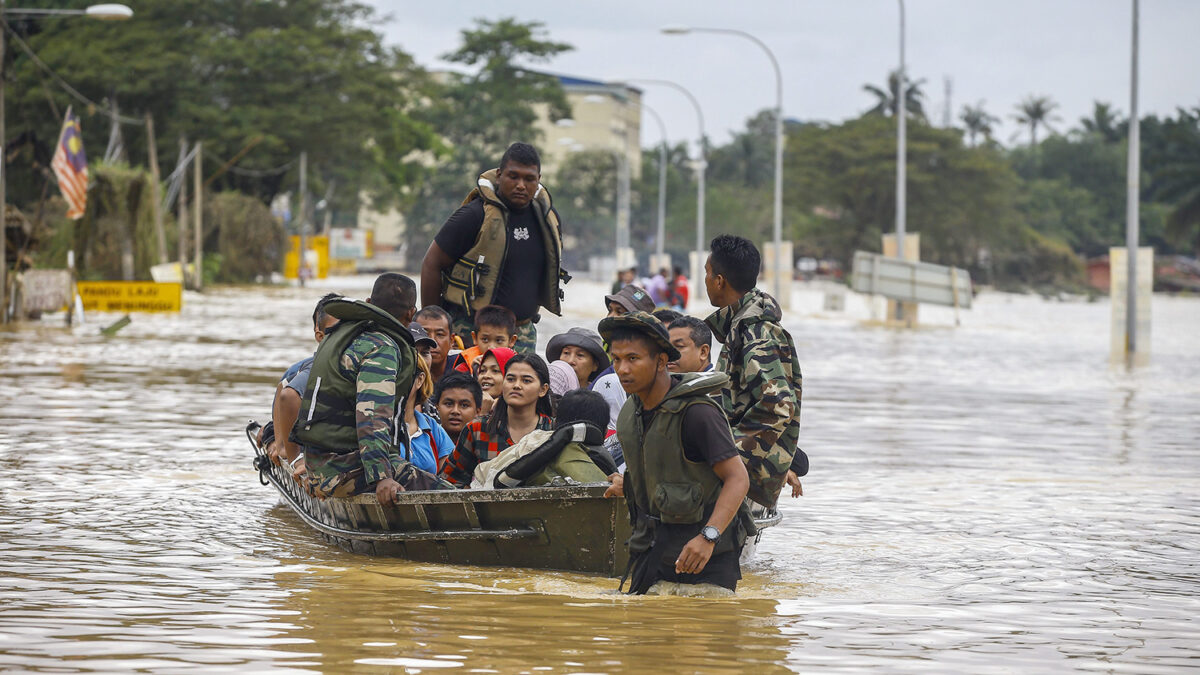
<point>762,399</point>
<point>625,278</point>
<point>679,296</point>
<point>503,246</point>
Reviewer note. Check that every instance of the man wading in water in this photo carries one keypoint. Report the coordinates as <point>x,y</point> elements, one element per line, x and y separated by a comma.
<point>684,480</point>
<point>503,246</point>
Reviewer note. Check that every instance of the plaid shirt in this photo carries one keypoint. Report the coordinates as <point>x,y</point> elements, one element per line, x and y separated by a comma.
<point>476,445</point>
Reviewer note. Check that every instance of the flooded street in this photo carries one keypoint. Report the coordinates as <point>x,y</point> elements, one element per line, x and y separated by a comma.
<point>988,498</point>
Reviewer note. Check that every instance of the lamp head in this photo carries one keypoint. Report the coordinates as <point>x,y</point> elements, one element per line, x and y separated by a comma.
<point>675,30</point>
<point>109,12</point>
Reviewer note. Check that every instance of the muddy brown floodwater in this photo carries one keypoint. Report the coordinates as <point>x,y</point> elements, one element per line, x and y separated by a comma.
<point>988,498</point>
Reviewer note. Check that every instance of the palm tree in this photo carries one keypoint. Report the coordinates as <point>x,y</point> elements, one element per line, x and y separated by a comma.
<point>977,121</point>
<point>886,100</point>
<point>1103,123</point>
<point>1034,112</point>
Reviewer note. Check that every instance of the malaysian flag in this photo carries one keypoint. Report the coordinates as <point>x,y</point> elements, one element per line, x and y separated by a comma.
<point>70,166</point>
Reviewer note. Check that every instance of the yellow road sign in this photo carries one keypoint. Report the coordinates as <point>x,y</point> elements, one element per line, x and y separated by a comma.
<point>130,296</point>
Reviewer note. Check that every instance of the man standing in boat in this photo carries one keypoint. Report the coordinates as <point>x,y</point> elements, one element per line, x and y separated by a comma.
<point>503,246</point>
<point>762,397</point>
<point>684,479</point>
<point>360,373</point>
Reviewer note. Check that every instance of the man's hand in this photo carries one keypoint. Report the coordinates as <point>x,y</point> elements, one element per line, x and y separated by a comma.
<point>275,453</point>
<point>694,556</point>
<point>258,436</point>
<point>299,469</point>
<point>617,489</point>
<point>386,491</point>
<point>488,402</point>
<point>794,481</point>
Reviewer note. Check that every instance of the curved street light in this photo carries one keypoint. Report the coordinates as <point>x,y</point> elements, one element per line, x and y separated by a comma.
<point>104,12</point>
<point>778,225</point>
<point>697,270</point>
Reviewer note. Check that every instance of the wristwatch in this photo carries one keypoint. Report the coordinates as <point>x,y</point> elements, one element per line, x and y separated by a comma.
<point>710,534</point>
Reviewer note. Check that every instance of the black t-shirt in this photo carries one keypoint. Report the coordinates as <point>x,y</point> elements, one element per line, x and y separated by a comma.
<point>520,284</point>
<point>706,436</point>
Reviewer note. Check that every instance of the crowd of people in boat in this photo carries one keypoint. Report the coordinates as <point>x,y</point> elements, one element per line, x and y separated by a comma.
<point>456,395</point>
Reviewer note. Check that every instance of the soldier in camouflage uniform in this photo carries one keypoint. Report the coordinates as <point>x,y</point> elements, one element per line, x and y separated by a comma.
<point>350,441</point>
<point>762,399</point>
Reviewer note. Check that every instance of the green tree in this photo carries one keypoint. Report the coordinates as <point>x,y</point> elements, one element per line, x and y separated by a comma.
<point>1035,112</point>
<point>1172,157</point>
<point>978,122</point>
<point>1104,123</point>
<point>886,101</point>
<point>302,76</point>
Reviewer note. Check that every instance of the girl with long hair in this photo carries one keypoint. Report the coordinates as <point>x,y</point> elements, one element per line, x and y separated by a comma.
<point>524,405</point>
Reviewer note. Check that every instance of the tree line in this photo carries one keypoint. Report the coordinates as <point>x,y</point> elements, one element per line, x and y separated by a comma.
<point>271,80</point>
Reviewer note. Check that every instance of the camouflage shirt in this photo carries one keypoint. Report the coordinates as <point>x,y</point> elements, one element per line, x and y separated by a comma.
<point>762,400</point>
<point>371,360</point>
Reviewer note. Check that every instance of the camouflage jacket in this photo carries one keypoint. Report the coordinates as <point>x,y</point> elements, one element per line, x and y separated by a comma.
<point>371,361</point>
<point>762,399</point>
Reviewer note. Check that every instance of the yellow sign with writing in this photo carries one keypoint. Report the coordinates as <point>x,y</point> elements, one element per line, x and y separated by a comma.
<point>130,296</point>
<point>316,258</point>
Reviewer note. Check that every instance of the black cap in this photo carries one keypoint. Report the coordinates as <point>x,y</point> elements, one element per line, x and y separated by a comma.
<point>419,335</point>
<point>644,323</point>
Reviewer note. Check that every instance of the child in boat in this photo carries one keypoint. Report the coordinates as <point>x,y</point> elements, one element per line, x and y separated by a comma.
<point>491,376</point>
<point>523,407</point>
<point>495,327</point>
<point>572,453</point>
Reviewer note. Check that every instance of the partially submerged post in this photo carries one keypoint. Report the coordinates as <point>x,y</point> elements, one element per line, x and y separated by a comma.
<point>156,189</point>
<point>198,226</point>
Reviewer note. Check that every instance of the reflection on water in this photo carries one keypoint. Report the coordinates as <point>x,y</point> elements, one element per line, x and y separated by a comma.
<point>988,498</point>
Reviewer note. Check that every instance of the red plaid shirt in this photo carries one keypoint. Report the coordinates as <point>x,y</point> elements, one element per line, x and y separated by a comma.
<point>476,445</point>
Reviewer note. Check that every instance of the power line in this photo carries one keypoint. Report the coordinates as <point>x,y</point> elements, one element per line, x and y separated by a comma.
<point>63,83</point>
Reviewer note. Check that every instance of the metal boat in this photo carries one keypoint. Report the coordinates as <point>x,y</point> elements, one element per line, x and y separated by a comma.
<point>572,527</point>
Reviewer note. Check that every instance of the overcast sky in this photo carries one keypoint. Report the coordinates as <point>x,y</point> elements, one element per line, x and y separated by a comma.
<point>1074,51</point>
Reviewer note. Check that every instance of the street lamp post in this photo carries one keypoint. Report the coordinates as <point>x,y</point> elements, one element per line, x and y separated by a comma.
<point>107,12</point>
<point>1132,190</point>
<point>696,272</point>
<point>901,157</point>
<point>660,237</point>
<point>778,225</point>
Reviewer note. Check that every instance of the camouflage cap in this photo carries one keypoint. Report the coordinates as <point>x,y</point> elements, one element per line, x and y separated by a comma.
<point>644,323</point>
<point>632,298</point>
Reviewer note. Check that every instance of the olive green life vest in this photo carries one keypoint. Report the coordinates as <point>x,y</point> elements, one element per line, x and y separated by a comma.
<point>663,483</point>
<point>327,418</point>
<point>471,282</point>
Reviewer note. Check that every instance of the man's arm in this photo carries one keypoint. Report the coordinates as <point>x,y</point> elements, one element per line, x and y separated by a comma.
<point>285,413</point>
<point>435,261</point>
<point>459,467</point>
<point>695,553</point>
<point>374,410</point>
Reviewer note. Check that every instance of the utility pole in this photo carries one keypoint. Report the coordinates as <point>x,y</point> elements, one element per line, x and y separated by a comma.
<point>198,226</point>
<point>303,214</point>
<point>901,155</point>
<point>1132,195</point>
<point>182,214</point>
<point>3,181</point>
<point>156,189</point>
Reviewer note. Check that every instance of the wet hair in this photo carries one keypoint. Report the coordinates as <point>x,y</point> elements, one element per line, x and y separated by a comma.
<point>625,334</point>
<point>497,422</point>
<point>698,331</point>
<point>394,293</point>
<point>582,405</point>
<point>495,315</point>
<point>666,316</point>
<point>521,153</point>
<point>436,313</point>
<point>736,259</point>
<point>319,314</point>
<point>458,381</point>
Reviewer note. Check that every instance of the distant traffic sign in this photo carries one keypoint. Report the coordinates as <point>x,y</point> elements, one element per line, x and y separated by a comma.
<point>909,281</point>
<point>130,296</point>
